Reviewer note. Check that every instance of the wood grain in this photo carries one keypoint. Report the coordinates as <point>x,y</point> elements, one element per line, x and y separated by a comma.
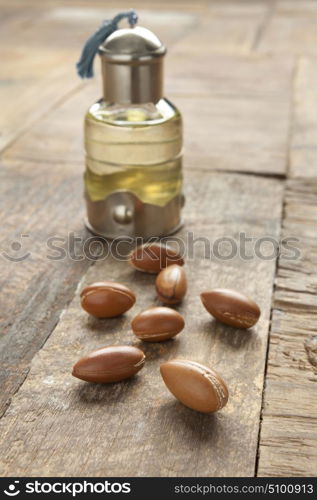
<point>224,31</point>
<point>219,75</point>
<point>35,76</point>
<point>41,173</point>
<point>288,437</point>
<point>236,133</point>
<point>141,412</point>
<point>37,201</point>
<point>292,29</point>
<point>39,49</point>
<point>243,74</point>
<point>303,153</point>
<point>244,135</point>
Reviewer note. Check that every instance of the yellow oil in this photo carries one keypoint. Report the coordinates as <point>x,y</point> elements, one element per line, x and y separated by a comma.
<point>136,148</point>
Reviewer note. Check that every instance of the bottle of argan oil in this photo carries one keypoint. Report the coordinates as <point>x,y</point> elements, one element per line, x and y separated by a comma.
<point>133,142</point>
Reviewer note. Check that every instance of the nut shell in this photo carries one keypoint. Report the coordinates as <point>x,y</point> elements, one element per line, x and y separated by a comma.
<point>153,257</point>
<point>231,307</point>
<point>171,284</point>
<point>157,324</point>
<point>109,364</point>
<point>196,386</point>
<point>106,299</point>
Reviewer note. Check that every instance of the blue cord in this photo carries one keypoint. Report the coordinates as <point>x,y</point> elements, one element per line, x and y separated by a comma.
<point>90,49</point>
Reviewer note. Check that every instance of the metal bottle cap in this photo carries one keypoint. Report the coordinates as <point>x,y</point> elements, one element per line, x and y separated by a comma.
<point>132,66</point>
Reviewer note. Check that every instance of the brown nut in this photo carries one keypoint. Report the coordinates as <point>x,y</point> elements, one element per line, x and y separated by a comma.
<point>171,284</point>
<point>231,307</point>
<point>106,299</point>
<point>195,385</point>
<point>110,364</point>
<point>157,324</point>
<point>153,257</point>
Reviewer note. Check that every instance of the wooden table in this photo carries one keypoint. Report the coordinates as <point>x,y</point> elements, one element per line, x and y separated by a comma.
<point>244,74</point>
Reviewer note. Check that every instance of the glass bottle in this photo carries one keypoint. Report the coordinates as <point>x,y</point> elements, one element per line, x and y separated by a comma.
<point>133,143</point>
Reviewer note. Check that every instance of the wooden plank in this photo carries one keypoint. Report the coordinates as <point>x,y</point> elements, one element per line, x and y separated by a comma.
<point>35,76</point>
<point>39,201</point>
<point>292,29</point>
<point>136,427</point>
<point>223,31</point>
<point>238,123</point>
<point>41,64</point>
<point>303,153</point>
<point>219,75</point>
<point>44,142</point>
<point>39,53</point>
<point>75,23</point>
<point>38,167</point>
<point>238,8</point>
<point>236,110</point>
<point>237,134</point>
<point>223,133</point>
<point>180,5</point>
<point>32,101</point>
<point>288,434</point>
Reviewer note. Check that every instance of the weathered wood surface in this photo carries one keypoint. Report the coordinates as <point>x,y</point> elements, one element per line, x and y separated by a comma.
<point>39,48</point>
<point>288,440</point>
<point>51,161</point>
<point>41,173</point>
<point>243,74</point>
<point>288,444</point>
<point>126,429</point>
<point>225,29</point>
<point>253,124</point>
<point>36,200</point>
<point>292,28</point>
<point>303,154</point>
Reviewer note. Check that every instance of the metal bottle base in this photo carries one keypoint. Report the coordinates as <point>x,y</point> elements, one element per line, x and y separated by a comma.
<point>122,214</point>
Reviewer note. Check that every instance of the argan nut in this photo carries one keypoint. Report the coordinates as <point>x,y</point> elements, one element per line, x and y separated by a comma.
<point>195,385</point>
<point>153,257</point>
<point>110,364</point>
<point>157,324</point>
<point>106,299</point>
<point>171,284</point>
<point>231,307</point>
